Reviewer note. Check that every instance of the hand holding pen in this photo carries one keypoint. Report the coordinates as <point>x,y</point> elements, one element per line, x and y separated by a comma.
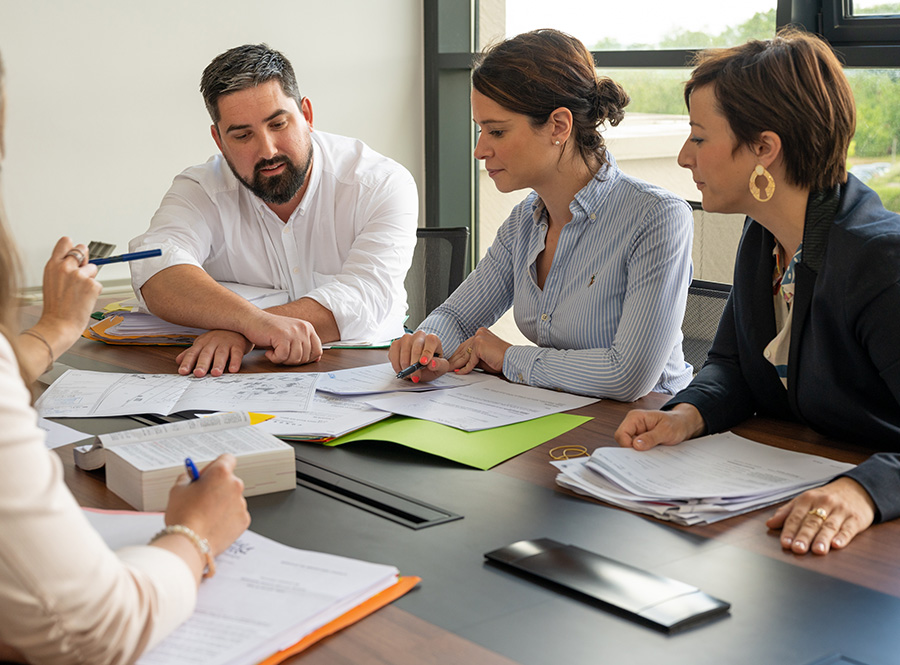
<point>417,356</point>
<point>422,363</point>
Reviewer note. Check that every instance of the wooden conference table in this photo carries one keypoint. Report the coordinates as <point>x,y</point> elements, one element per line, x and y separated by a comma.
<point>842,608</point>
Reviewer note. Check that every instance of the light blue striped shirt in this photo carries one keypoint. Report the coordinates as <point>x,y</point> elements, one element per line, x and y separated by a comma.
<point>608,320</point>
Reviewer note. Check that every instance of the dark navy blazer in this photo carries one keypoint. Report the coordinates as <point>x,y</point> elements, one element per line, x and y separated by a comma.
<point>844,362</point>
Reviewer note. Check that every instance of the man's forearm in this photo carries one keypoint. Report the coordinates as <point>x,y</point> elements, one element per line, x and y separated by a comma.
<point>310,310</point>
<point>186,295</point>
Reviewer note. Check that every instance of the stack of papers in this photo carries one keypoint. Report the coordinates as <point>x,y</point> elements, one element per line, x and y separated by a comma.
<point>137,328</point>
<point>699,481</point>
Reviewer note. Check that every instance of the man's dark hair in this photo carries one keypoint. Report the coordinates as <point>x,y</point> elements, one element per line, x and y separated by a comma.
<point>245,67</point>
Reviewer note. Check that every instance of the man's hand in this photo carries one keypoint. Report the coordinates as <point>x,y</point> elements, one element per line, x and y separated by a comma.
<point>289,342</point>
<point>214,352</point>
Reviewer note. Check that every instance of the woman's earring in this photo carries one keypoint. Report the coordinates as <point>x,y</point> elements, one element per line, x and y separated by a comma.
<point>557,142</point>
<point>760,170</point>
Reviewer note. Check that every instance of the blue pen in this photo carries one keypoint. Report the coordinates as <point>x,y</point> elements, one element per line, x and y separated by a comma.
<point>133,256</point>
<point>191,469</point>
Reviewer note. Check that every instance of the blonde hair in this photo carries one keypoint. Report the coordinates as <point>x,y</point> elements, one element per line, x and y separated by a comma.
<point>9,259</point>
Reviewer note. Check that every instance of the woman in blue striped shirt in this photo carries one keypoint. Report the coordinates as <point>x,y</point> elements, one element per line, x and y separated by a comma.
<point>595,263</point>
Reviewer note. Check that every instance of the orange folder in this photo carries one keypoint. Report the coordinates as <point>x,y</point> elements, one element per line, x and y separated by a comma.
<point>362,610</point>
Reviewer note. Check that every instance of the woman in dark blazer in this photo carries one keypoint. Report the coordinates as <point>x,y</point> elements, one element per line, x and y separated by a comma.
<point>811,331</point>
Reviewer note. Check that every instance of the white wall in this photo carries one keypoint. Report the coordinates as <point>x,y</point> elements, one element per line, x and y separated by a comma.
<point>104,108</point>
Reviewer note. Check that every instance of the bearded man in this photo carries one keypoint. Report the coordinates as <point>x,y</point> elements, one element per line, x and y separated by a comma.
<point>322,217</point>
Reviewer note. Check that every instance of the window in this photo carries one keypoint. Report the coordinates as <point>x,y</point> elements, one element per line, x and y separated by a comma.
<point>854,22</point>
<point>647,46</point>
<point>869,8</point>
<point>647,25</point>
<point>873,151</point>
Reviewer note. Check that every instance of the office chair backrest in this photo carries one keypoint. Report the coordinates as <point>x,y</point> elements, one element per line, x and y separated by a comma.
<point>705,302</point>
<point>438,267</point>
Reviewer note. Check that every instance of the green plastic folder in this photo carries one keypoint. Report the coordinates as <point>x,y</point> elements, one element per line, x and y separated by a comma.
<point>482,449</point>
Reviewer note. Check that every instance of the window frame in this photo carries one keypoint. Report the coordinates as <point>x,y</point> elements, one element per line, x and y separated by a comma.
<point>450,169</point>
<point>841,28</point>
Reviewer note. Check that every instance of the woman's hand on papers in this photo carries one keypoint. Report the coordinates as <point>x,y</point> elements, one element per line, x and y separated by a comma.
<point>484,350</point>
<point>215,352</point>
<point>421,348</point>
<point>213,505</point>
<point>643,430</point>
<point>824,518</point>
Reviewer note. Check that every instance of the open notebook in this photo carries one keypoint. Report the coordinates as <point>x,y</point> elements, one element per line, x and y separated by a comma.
<point>267,601</point>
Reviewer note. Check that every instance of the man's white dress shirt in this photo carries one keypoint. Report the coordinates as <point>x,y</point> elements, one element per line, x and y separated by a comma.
<point>348,245</point>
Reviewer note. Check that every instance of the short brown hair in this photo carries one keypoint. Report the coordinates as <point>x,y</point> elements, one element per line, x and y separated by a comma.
<point>243,67</point>
<point>792,85</point>
<point>538,72</point>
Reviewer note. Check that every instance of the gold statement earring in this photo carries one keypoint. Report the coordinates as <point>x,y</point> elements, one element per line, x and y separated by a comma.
<point>760,170</point>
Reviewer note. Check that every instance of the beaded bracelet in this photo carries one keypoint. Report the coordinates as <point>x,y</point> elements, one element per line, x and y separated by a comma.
<point>39,336</point>
<point>201,544</point>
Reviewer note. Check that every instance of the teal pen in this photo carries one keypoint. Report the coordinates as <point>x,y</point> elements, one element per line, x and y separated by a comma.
<point>133,256</point>
<point>191,469</point>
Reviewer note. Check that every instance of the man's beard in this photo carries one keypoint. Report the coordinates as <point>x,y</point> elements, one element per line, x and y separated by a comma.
<point>276,189</point>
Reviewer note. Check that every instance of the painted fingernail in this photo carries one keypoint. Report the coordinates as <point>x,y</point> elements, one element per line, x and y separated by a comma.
<point>415,379</point>
<point>424,360</point>
<point>434,364</point>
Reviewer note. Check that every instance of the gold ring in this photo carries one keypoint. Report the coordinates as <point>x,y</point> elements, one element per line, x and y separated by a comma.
<point>568,452</point>
<point>76,254</point>
<point>819,512</point>
<point>469,350</point>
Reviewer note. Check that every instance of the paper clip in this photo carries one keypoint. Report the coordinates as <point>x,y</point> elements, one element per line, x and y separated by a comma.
<point>568,452</point>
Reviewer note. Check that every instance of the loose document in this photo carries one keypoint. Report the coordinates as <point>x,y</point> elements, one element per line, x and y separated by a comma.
<point>376,379</point>
<point>491,402</point>
<point>56,435</point>
<point>84,394</point>
<point>699,481</point>
<point>264,597</point>
<point>329,417</point>
<point>346,400</point>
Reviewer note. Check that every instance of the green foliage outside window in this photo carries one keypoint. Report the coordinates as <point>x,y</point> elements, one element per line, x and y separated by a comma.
<point>877,93</point>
